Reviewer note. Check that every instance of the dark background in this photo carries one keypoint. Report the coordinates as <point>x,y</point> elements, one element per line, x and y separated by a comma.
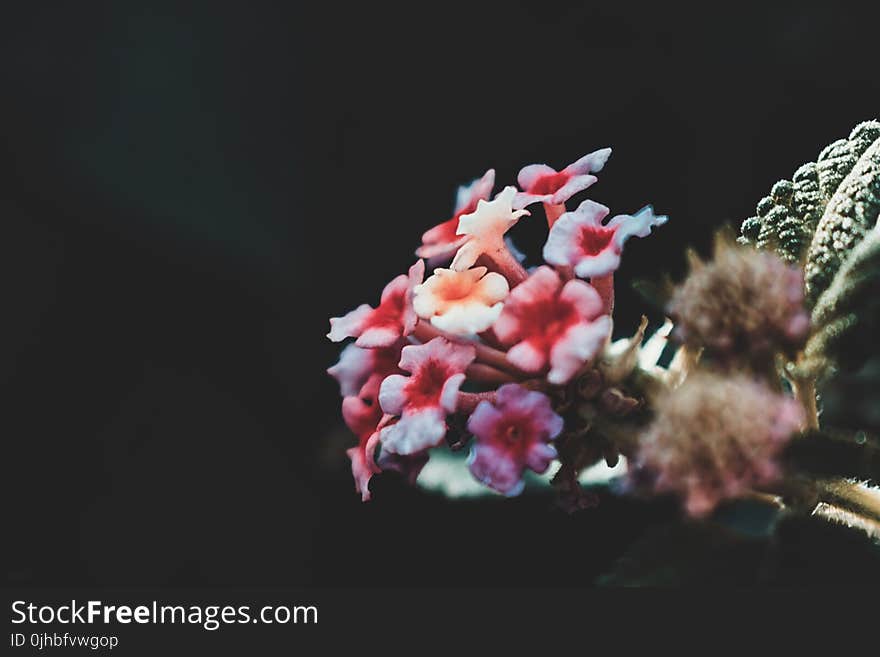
<point>187,193</point>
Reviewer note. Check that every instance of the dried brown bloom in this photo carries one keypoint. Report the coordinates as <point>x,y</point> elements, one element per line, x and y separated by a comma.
<point>744,305</point>
<point>714,438</point>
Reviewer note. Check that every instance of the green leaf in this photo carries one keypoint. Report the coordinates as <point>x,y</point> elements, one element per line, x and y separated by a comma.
<point>815,218</point>
<point>688,554</point>
<point>846,316</point>
<point>850,213</point>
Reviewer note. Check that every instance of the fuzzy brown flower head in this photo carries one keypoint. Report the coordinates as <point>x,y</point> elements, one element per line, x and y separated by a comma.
<point>744,304</point>
<point>714,438</point>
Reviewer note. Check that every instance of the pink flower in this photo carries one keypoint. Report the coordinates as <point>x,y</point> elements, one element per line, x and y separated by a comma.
<point>423,399</point>
<point>485,227</point>
<point>365,419</point>
<point>461,302</point>
<point>360,371</point>
<point>442,241</point>
<point>383,326</point>
<point>512,435</point>
<point>551,323</point>
<point>579,238</point>
<point>543,184</point>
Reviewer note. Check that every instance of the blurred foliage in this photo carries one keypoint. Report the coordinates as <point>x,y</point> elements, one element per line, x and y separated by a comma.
<point>718,554</point>
<point>831,453</point>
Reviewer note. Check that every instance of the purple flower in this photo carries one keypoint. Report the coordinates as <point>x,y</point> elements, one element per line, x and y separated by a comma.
<point>512,435</point>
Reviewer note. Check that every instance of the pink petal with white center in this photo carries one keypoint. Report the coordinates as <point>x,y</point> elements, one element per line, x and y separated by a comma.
<point>425,397</point>
<point>579,239</point>
<point>580,344</point>
<point>564,246</point>
<point>545,322</point>
<point>541,183</point>
<point>393,319</point>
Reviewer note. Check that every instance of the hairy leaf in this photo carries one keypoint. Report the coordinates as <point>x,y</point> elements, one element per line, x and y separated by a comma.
<point>846,316</point>
<point>824,210</point>
<point>835,454</point>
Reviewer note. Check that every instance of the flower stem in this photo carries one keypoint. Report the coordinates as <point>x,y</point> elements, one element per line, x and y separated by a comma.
<point>604,285</point>
<point>508,266</point>
<point>805,391</point>
<point>488,374</point>
<point>467,401</point>
<point>425,331</point>
<point>553,212</point>
<point>852,496</point>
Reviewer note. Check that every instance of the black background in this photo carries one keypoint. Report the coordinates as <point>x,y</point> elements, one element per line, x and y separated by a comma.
<point>188,192</point>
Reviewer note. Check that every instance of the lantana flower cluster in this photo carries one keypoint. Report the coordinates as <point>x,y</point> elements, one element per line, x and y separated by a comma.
<point>469,349</point>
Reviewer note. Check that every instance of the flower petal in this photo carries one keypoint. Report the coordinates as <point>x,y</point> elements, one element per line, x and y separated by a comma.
<point>349,324</point>
<point>574,185</point>
<point>590,163</point>
<point>415,432</point>
<point>530,174</point>
<point>580,343</point>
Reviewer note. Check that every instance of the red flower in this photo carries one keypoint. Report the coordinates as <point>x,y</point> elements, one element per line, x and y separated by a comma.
<point>543,184</point>
<point>512,435</point>
<point>579,239</point>
<point>423,399</point>
<point>442,241</point>
<point>383,326</point>
<point>552,324</point>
